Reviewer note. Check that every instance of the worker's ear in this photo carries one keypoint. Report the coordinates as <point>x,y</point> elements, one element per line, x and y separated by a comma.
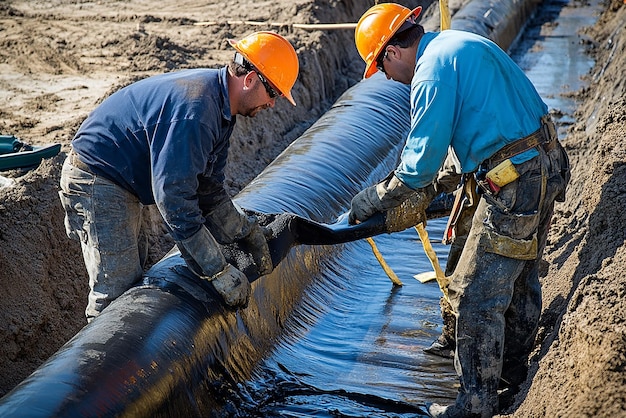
<point>248,81</point>
<point>393,50</point>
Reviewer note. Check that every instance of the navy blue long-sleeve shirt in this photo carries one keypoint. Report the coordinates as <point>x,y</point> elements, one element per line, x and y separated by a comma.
<point>164,139</point>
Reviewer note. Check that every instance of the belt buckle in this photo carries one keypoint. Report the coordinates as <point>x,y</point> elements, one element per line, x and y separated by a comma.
<point>77,162</point>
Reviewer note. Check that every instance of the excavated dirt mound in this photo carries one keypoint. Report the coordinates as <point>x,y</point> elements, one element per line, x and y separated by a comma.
<point>59,59</point>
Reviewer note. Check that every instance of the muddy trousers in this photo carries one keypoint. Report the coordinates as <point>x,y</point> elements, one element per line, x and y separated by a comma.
<point>447,337</point>
<point>495,290</point>
<point>106,219</point>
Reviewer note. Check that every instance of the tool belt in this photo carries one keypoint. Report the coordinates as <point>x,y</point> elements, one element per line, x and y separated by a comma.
<point>545,136</point>
<point>74,159</point>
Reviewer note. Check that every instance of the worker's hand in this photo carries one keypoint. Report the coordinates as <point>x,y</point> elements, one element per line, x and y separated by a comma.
<point>229,224</point>
<point>255,242</point>
<point>387,194</point>
<point>363,205</point>
<point>204,258</point>
<point>233,286</point>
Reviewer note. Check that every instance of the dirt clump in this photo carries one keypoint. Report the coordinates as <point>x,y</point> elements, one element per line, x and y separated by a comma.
<point>59,59</point>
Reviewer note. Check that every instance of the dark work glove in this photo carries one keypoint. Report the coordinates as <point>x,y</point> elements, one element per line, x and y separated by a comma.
<point>256,243</point>
<point>233,286</point>
<point>230,224</point>
<point>381,197</point>
<point>227,222</point>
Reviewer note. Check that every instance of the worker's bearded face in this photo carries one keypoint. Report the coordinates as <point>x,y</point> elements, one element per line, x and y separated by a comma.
<point>256,100</point>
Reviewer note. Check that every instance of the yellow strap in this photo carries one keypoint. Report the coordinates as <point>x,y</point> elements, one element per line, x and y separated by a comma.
<point>444,12</point>
<point>394,278</point>
<point>442,280</point>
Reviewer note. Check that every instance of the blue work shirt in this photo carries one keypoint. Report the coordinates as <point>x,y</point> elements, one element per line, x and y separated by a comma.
<point>161,139</point>
<point>469,96</point>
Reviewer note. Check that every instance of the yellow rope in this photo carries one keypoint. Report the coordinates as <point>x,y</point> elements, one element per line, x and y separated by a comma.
<point>305,26</point>
<point>442,280</point>
<point>394,278</point>
<point>444,13</point>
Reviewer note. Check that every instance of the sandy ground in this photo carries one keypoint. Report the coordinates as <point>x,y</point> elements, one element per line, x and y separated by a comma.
<point>59,58</point>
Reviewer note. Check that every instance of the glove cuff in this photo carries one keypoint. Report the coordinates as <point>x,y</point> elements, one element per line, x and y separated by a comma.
<point>202,254</point>
<point>228,222</point>
<point>228,268</point>
<point>392,192</point>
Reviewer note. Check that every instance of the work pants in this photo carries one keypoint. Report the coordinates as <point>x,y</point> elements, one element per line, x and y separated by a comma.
<point>495,290</point>
<point>106,219</point>
<point>463,226</point>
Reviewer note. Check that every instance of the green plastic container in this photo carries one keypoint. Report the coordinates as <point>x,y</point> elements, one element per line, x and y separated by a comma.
<point>17,154</point>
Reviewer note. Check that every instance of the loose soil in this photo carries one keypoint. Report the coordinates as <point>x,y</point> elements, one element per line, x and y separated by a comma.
<point>60,58</point>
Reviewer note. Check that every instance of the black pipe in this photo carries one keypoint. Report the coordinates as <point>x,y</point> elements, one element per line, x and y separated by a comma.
<point>168,347</point>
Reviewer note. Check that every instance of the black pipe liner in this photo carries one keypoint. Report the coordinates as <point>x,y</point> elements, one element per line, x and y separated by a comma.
<point>168,347</point>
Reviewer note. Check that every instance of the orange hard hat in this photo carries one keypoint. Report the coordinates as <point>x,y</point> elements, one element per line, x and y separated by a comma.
<point>273,56</point>
<point>376,27</point>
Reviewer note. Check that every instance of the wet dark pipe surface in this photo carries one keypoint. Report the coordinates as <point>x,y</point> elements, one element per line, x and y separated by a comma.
<point>324,335</point>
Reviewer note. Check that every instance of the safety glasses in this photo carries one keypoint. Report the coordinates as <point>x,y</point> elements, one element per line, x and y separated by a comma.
<point>239,59</point>
<point>380,61</point>
<point>270,90</point>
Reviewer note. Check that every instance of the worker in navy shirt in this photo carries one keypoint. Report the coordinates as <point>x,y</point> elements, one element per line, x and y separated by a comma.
<point>164,140</point>
<point>471,104</point>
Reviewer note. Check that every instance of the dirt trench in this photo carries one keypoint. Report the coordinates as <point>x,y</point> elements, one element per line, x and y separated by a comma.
<point>58,59</point>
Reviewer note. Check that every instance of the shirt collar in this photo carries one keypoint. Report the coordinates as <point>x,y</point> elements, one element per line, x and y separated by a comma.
<point>426,38</point>
<point>223,76</point>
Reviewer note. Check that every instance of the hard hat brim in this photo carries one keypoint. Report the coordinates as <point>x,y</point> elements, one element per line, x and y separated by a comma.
<point>289,97</point>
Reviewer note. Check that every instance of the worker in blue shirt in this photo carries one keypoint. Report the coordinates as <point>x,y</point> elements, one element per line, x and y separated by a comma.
<point>472,104</point>
<point>164,140</point>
